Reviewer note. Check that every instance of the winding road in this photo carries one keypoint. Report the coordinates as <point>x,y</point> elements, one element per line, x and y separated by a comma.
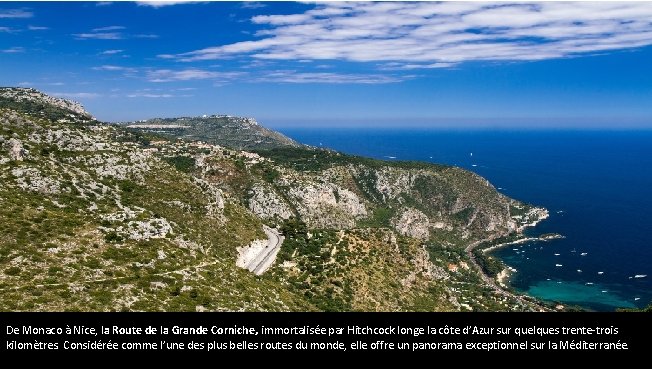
<point>490,281</point>
<point>258,265</point>
<point>266,257</point>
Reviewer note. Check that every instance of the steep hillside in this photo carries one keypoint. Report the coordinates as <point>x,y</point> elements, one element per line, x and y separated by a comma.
<point>99,217</point>
<point>224,130</point>
<point>36,103</point>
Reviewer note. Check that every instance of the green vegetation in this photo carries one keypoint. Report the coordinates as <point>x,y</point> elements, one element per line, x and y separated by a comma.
<point>34,107</point>
<point>232,132</point>
<point>380,218</point>
<point>313,159</point>
<point>99,217</point>
<point>182,163</point>
<point>489,264</point>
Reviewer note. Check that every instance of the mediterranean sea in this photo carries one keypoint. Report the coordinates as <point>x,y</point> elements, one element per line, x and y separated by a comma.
<point>597,186</point>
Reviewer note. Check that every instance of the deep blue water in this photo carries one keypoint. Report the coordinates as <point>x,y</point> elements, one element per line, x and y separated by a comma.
<point>596,184</point>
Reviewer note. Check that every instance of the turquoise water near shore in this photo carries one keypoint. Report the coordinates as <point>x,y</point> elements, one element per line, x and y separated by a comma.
<point>596,185</point>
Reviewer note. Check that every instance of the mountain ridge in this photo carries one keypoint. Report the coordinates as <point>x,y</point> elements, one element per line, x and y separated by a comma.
<point>100,217</point>
<point>226,130</point>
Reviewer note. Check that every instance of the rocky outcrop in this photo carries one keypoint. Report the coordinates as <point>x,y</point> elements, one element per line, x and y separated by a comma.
<point>391,182</point>
<point>20,94</point>
<point>413,223</point>
<point>265,203</point>
<point>16,150</point>
<point>326,205</point>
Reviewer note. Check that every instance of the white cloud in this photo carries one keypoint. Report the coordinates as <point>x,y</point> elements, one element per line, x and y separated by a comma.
<point>434,35</point>
<point>13,50</point>
<point>146,36</point>
<point>37,28</point>
<point>76,95</point>
<point>252,5</point>
<point>6,29</point>
<point>111,52</point>
<point>108,28</point>
<point>150,95</point>
<point>15,13</point>
<point>407,66</point>
<point>333,78</point>
<point>168,75</point>
<point>99,36</point>
<point>159,4</point>
<point>103,3</point>
<point>114,68</point>
<point>110,33</point>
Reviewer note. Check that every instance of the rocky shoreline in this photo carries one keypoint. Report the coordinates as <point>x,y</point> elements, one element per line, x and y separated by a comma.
<point>501,282</point>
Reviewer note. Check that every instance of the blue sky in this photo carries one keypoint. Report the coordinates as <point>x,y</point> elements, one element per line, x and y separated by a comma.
<point>421,64</point>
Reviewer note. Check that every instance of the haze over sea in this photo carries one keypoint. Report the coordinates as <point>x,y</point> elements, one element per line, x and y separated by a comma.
<point>596,185</point>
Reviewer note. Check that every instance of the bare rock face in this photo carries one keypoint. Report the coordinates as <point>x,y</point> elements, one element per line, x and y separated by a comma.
<point>267,204</point>
<point>328,205</point>
<point>392,182</point>
<point>32,179</point>
<point>413,223</point>
<point>16,150</point>
<point>215,207</point>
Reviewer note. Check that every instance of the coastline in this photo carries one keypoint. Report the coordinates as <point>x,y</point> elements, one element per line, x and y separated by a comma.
<point>503,277</point>
<point>500,282</point>
<point>546,238</point>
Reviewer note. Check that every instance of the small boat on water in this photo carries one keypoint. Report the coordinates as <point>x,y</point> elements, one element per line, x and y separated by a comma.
<point>640,276</point>
<point>558,265</point>
<point>584,253</point>
<point>579,270</point>
<point>600,273</point>
<point>557,254</point>
<point>637,298</point>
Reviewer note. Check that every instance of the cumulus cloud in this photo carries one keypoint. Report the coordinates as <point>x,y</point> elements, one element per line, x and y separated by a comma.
<point>435,35</point>
<point>37,28</point>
